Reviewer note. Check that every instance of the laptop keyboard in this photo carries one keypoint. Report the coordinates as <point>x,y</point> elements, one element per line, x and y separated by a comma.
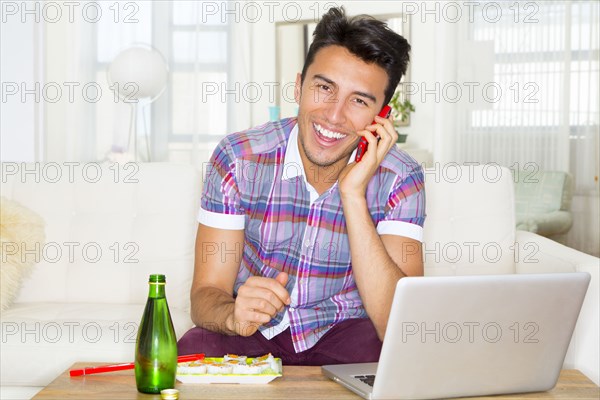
<point>368,379</point>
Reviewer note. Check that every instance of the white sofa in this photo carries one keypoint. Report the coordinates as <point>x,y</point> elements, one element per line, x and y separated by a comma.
<point>79,306</point>
<point>143,219</point>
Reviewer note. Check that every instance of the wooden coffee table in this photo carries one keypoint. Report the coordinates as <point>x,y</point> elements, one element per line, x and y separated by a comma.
<point>300,383</point>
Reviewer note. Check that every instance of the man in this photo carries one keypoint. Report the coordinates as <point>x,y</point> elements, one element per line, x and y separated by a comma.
<point>299,248</point>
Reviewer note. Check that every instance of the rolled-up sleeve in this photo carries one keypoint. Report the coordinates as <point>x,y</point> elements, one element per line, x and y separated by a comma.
<point>220,204</point>
<point>405,208</point>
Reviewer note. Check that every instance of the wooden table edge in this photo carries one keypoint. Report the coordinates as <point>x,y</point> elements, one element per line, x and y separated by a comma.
<point>572,384</point>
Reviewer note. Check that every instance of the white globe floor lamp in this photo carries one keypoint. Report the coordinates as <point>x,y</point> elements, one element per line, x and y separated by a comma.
<point>139,74</point>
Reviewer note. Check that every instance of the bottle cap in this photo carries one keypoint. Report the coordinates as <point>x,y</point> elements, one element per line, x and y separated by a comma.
<point>169,394</point>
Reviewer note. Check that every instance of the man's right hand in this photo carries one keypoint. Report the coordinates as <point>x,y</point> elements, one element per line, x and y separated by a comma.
<point>258,300</point>
<point>213,305</point>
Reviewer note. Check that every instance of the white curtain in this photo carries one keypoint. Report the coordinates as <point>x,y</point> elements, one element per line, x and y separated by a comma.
<point>535,104</point>
<point>85,126</point>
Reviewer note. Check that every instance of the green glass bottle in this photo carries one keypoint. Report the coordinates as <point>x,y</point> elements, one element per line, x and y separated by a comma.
<point>156,345</point>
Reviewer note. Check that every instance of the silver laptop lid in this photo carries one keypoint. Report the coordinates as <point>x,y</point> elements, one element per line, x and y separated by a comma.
<point>478,335</point>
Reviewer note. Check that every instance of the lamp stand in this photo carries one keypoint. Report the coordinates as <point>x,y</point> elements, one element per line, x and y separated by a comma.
<point>133,137</point>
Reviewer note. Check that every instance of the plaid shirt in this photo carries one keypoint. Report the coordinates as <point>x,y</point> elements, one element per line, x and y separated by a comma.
<point>256,182</point>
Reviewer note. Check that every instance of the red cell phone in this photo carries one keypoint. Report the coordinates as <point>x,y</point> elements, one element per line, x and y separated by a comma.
<point>362,145</point>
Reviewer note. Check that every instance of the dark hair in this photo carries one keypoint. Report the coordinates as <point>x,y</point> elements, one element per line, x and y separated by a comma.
<point>367,38</point>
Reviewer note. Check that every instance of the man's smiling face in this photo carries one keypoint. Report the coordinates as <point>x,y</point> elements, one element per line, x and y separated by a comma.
<point>341,94</point>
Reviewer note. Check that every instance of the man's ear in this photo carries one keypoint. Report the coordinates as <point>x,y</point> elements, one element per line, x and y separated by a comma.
<point>298,88</point>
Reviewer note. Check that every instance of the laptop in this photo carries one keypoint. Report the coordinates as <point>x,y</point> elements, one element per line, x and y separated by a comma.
<point>471,336</point>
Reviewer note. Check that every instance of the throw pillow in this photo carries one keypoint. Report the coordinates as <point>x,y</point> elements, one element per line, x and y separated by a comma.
<point>20,229</point>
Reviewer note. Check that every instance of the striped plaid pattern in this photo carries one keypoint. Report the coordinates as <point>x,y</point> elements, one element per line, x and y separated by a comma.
<point>285,232</point>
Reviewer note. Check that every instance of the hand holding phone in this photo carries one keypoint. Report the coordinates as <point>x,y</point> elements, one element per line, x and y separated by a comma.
<point>363,144</point>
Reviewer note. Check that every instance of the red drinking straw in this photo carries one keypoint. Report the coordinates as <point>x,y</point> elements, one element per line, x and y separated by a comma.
<point>120,367</point>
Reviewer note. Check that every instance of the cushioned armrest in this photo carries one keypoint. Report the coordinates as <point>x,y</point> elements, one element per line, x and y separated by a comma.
<point>537,254</point>
<point>553,223</point>
<point>527,224</point>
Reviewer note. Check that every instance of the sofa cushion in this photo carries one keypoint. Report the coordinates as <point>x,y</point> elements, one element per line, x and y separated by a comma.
<point>470,224</point>
<point>19,392</point>
<point>107,228</point>
<point>40,340</point>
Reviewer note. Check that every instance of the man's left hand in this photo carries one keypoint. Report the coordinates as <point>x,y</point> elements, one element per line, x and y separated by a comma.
<point>355,177</point>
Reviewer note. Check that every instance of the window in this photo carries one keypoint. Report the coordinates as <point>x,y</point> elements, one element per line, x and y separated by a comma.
<point>545,65</point>
<point>195,45</point>
<point>198,58</point>
<point>544,57</point>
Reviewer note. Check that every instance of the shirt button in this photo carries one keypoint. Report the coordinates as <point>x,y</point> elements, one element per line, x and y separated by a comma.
<point>292,309</point>
<point>307,243</point>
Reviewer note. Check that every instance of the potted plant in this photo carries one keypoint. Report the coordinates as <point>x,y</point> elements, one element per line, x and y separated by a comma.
<point>401,110</point>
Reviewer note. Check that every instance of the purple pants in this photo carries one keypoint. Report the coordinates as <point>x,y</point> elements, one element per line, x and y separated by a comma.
<point>350,341</point>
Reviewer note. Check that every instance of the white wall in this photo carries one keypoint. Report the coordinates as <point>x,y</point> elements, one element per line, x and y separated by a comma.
<point>421,131</point>
<point>290,55</point>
